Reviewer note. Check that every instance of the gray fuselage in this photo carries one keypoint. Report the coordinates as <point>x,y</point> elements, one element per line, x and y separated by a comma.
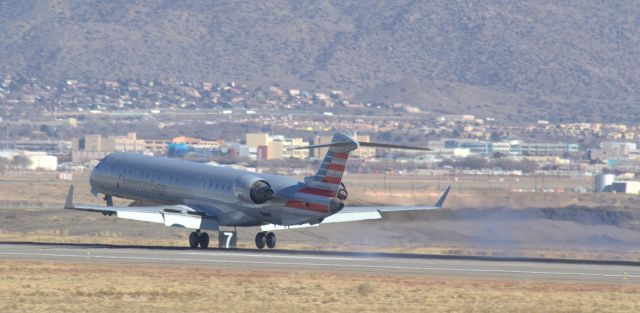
<point>219,192</point>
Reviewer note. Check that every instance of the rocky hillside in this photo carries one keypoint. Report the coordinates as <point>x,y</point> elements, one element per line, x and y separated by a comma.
<point>537,59</point>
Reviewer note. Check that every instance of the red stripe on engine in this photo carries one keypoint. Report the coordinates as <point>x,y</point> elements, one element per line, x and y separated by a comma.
<point>336,167</point>
<point>332,180</point>
<point>296,204</point>
<point>341,155</point>
<point>318,192</point>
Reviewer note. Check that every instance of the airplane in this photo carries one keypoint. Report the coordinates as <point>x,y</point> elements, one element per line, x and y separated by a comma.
<point>203,197</point>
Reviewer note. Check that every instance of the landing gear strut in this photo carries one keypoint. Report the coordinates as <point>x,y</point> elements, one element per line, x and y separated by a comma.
<point>265,239</point>
<point>197,238</point>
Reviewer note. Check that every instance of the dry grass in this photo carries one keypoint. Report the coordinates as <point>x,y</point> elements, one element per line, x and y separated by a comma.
<point>68,287</point>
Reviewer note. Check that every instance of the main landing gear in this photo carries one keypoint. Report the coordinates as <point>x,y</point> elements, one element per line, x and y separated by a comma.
<point>265,239</point>
<point>199,239</point>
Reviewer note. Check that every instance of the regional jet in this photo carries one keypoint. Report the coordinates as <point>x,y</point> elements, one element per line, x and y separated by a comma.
<point>203,197</point>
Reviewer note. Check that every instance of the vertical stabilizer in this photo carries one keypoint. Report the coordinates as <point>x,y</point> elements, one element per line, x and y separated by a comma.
<point>329,175</point>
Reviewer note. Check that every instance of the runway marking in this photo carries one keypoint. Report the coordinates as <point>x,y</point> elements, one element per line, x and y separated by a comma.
<point>623,275</point>
<point>282,256</point>
<point>253,255</point>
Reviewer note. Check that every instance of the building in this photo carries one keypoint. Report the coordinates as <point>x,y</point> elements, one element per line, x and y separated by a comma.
<point>612,150</point>
<point>157,146</point>
<point>266,147</point>
<point>41,161</point>
<point>56,147</point>
<point>130,142</point>
<point>475,146</point>
<point>632,187</point>
<point>549,149</point>
<point>93,147</point>
<point>256,139</point>
<point>198,143</point>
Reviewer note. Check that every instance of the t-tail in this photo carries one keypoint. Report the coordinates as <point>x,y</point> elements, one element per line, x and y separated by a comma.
<point>329,176</point>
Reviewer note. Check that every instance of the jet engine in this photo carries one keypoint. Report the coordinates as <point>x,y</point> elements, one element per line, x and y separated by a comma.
<point>335,206</point>
<point>252,189</point>
<point>342,192</point>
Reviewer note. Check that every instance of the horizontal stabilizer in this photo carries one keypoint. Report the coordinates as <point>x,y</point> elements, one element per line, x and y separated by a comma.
<point>362,144</point>
<point>390,146</point>
<point>334,144</point>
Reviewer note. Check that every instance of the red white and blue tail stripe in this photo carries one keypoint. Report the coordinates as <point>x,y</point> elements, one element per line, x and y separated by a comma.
<point>324,185</point>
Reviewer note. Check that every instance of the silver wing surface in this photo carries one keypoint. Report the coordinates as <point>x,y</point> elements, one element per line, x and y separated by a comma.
<point>363,213</point>
<point>169,215</point>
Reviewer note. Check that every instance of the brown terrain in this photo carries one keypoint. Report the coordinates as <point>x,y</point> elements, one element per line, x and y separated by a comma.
<point>70,287</point>
<point>481,217</point>
<point>530,60</point>
<point>477,221</point>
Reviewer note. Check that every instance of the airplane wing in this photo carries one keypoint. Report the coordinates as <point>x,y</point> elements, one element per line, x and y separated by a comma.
<point>169,215</point>
<point>363,213</point>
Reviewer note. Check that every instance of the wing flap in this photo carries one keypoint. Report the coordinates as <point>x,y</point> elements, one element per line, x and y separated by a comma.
<point>354,214</point>
<point>336,218</point>
<point>169,215</point>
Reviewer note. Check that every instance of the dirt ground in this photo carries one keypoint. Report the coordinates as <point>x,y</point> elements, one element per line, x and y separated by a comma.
<point>70,287</point>
<point>475,221</point>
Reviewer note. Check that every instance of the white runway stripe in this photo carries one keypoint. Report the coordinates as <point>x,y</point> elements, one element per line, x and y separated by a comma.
<point>330,265</point>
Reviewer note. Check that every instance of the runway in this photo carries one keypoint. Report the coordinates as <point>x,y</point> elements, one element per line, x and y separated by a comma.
<point>320,261</point>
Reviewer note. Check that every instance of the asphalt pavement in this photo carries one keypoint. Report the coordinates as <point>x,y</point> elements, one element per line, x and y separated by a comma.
<point>327,261</point>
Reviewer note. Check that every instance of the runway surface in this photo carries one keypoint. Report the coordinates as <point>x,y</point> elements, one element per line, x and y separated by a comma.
<point>321,261</point>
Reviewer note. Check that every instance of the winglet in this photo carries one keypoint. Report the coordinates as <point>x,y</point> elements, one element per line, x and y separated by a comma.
<point>443,197</point>
<point>69,203</point>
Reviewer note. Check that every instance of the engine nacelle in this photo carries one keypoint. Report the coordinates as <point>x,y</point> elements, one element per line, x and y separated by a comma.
<point>335,206</point>
<point>253,189</point>
<point>342,192</point>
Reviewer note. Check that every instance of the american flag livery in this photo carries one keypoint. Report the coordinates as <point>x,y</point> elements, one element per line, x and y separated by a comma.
<point>322,187</point>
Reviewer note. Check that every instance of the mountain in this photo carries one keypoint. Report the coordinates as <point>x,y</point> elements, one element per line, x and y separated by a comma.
<point>531,59</point>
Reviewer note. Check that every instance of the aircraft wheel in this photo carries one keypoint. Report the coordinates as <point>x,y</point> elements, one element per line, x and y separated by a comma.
<point>193,240</point>
<point>261,240</point>
<point>204,240</point>
<point>271,240</point>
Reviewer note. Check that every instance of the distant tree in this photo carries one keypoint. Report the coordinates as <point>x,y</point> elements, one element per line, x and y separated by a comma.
<point>506,165</point>
<point>528,166</point>
<point>21,161</point>
<point>474,163</point>
<point>50,131</point>
<point>495,136</point>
